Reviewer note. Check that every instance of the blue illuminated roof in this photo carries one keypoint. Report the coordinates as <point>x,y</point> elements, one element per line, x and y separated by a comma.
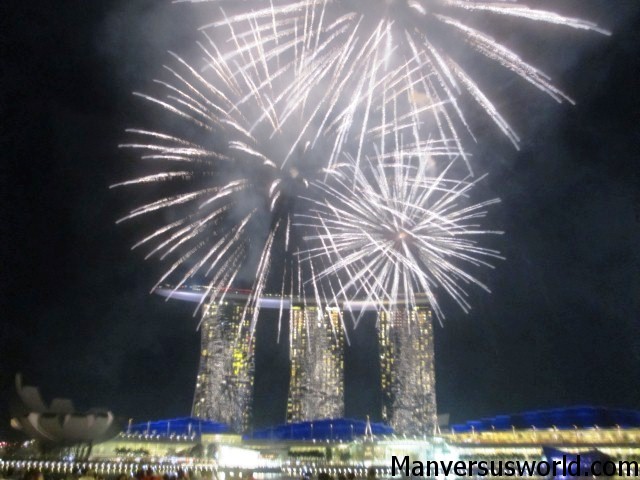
<point>561,418</point>
<point>178,426</point>
<point>337,429</point>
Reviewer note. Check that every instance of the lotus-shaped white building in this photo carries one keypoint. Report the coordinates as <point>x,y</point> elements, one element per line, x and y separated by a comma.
<point>59,424</point>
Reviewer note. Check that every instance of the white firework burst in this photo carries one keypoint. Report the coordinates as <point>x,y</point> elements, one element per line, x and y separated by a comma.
<point>242,144</point>
<point>398,234</point>
<point>385,35</point>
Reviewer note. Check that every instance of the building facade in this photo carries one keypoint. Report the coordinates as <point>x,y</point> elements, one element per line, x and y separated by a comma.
<point>316,347</point>
<point>407,365</point>
<point>341,446</point>
<point>224,386</point>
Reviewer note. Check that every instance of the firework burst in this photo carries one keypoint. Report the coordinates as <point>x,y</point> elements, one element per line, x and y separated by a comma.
<point>384,35</point>
<point>231,168</point>
<point>403,231</point>
<point>243,144</point>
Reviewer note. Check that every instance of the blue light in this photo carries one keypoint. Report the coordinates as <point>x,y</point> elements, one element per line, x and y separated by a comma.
<point>562,418</point>
<point>185,426</point>
<point>339,429</point>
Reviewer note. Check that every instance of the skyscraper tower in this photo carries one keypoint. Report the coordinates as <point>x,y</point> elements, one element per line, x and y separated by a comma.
<point>316,346</point>
<point>224,386</point>
<point>408,370</point>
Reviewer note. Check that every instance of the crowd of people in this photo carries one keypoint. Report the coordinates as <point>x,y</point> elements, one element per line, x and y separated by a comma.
<point>371,475</point>
<point>149,474</point>
<point>88,474</point>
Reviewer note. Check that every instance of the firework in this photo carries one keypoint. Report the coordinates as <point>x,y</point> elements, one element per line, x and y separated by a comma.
<point>348,97</point>
<point>404,231</point>
<point>384,35</point>
<point>230,169</point>
<point>235,163</point>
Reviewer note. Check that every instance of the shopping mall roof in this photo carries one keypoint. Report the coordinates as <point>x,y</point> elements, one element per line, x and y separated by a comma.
<point>561,418</point>
<point>338,429</point>
<point>178,427</point>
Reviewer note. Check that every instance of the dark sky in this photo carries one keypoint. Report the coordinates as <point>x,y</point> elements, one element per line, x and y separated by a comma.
<point>561,327</point>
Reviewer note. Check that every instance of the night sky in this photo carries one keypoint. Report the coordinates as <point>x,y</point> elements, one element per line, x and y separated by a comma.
<point>561,327</point>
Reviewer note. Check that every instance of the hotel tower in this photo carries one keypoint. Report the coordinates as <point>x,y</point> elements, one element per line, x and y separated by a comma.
<point>224,386</point>
<point>407,365</point>
<point>316,355</point>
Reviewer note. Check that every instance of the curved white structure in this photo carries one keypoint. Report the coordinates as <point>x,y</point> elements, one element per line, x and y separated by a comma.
<point>59,423</point>
<point>197,293</point>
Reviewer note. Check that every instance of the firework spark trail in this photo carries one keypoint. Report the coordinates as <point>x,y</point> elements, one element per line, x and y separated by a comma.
<point>404,232</point>
<point>423,31</point>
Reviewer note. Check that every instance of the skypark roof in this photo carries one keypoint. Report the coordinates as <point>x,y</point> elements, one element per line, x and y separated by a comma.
<point>195,294</point>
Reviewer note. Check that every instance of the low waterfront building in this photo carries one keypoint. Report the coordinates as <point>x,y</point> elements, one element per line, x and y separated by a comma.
<point>339,446</point>
<point>173,440</point>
